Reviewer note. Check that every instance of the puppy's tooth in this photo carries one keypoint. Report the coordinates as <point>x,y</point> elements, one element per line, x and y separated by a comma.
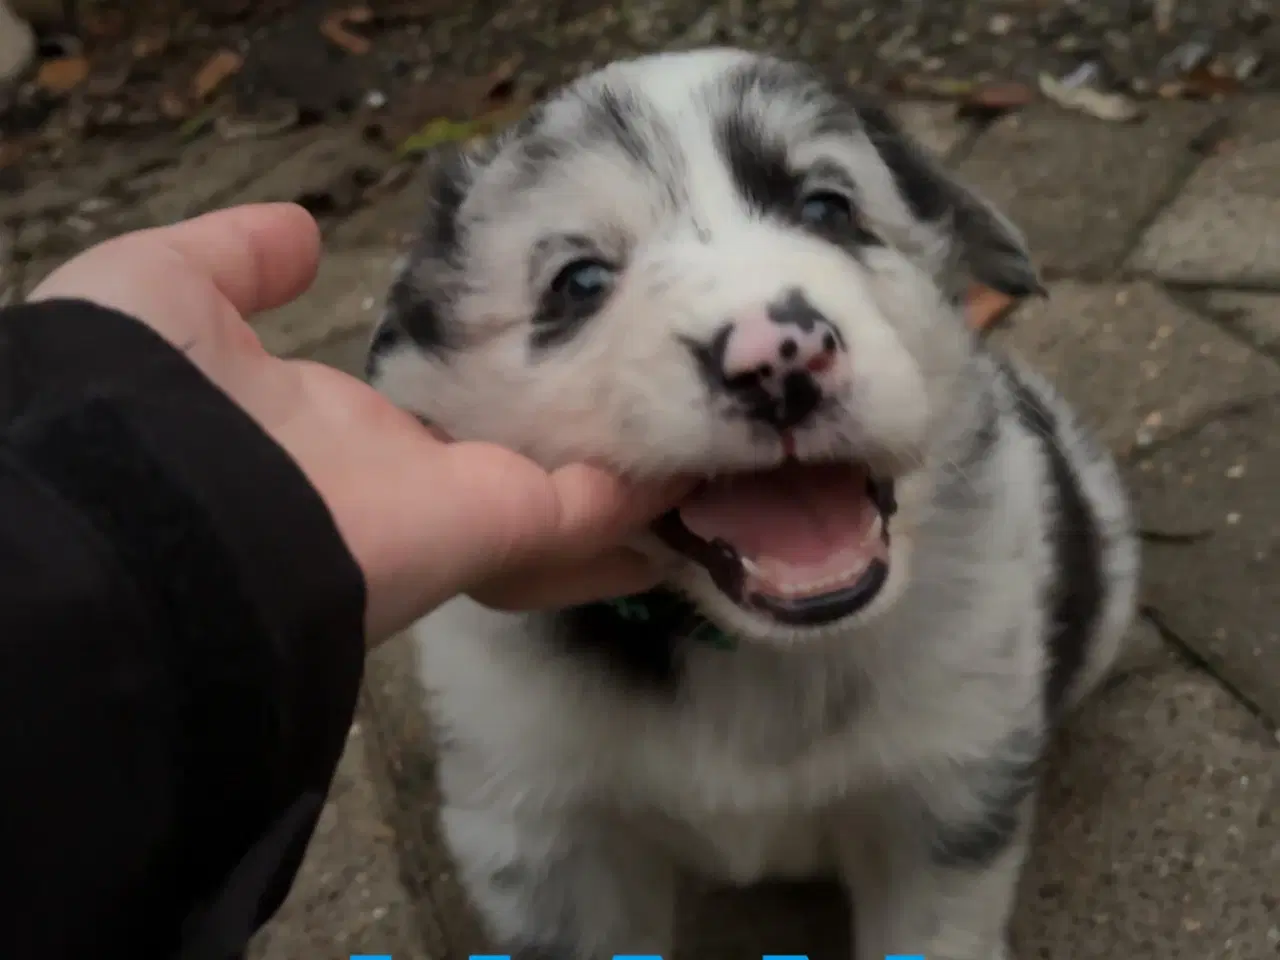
<point>874,531</point>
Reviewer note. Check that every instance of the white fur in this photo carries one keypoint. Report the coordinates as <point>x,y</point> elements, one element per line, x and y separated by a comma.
<point>569,801</point>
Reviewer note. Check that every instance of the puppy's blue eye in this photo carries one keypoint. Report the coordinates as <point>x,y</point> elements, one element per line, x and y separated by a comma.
<point>584,281</point>
<point>826,211</point>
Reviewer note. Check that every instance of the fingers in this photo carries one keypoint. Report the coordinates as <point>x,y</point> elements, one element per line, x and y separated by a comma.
<point>617,573</point>
<point>260,256</point>
<point>598,509</point>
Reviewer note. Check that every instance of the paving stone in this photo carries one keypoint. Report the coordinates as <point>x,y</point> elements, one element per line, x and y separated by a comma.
<point>1224,226</point>
<point>1218,593</point>
<point>36,270</point>
<point>207,172</point>
<point>1137,366</point>
<point>1158,836</point>
<point>348,898</point>
<point>88,175</point>
<point>345,352</point>
<point>10,269</point>
<point>391,220</point>
<point>1255,315</point>
<point>1081,188</point>
<point>328,164</point>
<point>448,926</point>
<point>934,125</point>
<point>346,297</point>
<point>63,234</point>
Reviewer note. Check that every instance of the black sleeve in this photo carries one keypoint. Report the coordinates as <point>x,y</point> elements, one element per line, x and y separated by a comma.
<point>181,645</point>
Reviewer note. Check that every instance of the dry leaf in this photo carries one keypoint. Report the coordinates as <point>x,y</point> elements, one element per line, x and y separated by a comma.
<point>1205,83</point>
<point>149,43</point>
<point>62,75</point>
<point>995,99</point>
<point>100,24</point>
<point>1113,107</point>
<point>946,88</point>
<point>14,149</point>
<point>468,109</point>
<point>985,307</point>
<point>172,106</point>
<point>215,72</point>
<point>334,28</point>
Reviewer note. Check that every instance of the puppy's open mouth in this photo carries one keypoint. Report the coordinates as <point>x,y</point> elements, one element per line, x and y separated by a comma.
<point>806,543</point>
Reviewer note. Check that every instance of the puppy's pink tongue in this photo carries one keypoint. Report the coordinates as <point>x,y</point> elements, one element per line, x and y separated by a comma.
<point>799,516</point>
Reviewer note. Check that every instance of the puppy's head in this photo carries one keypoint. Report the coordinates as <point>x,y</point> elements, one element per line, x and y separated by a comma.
<point>711,263</point>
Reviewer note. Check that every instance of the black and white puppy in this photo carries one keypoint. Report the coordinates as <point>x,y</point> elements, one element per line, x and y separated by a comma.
<point>905,563</point>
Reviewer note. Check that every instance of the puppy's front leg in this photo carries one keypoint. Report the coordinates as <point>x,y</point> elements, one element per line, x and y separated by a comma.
<point>564,886</point>
<point>935,872</point>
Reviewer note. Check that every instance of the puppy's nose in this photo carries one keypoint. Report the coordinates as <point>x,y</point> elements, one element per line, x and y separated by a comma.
<point>779,361</point>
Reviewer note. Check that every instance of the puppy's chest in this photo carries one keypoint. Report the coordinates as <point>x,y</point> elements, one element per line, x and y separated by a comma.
<point>747,847</point>
<point>745,792</point>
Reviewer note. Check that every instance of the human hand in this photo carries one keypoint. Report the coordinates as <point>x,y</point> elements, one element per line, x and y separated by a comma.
<point>425,519</point>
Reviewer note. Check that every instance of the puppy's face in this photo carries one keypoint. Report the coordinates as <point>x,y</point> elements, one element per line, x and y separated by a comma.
<point>710,263</point>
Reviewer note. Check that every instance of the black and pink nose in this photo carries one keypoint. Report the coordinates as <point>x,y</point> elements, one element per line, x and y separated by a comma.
<point>778,363</point>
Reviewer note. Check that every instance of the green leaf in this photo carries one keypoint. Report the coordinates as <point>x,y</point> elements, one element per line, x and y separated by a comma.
<point>437,131</point>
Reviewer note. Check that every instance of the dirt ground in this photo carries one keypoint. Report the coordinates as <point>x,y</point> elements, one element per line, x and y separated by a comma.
<point>120,91</point>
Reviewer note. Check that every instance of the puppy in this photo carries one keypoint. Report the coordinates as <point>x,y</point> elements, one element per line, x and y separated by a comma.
<point>905,563</point>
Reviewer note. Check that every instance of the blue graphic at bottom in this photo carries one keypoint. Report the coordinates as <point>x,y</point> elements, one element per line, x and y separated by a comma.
<point>654,956</point>
<point>639,956</point>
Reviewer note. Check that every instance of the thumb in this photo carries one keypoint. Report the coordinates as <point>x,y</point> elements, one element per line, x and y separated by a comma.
<point>512,513</point>
<point>597,510</point>
<point>489,512</point>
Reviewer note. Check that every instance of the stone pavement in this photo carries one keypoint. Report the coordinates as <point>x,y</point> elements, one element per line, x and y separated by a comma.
<point>1160,830</point>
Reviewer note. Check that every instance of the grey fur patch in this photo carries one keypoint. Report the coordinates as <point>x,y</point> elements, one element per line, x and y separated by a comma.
<point>757,162</point>
<point>1077,590</point>
<point>957,487</point>
<point>411,311</point>
<point>386,338</point>
<point>992,250</point>
<point>1003,783</point>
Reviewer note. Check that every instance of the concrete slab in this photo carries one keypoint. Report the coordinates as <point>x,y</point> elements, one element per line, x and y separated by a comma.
<point>34,271</point>
<point>1254,315</point>
<point>1224,227</point>
<point>327,163</point>
<point>346,352</point>
<point>1082,188</point>
<point>208,171</point>
<point>349,898</point>
<point>934,125</point>
<point>1218,593</point>
<point>10,269</point>
<point>397,724</point>
<point>391,220</point>
<point>91,175</point>
<point>1158,837</point>
<point>1137,365</point>
<point>345,298</point>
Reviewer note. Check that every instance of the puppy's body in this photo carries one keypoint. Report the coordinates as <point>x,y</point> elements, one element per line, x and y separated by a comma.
<point>892,737</point>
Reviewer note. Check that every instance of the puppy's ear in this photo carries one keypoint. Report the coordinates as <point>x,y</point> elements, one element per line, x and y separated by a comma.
<point>991,249</point>
<point>448,172</point>
<point>413,314</point>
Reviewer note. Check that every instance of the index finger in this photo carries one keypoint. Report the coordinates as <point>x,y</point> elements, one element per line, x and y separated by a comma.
<point>260,256</point>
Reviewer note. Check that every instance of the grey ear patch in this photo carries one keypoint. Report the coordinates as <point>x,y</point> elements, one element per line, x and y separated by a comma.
<point>415,307</point>
<point>991,249</point>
